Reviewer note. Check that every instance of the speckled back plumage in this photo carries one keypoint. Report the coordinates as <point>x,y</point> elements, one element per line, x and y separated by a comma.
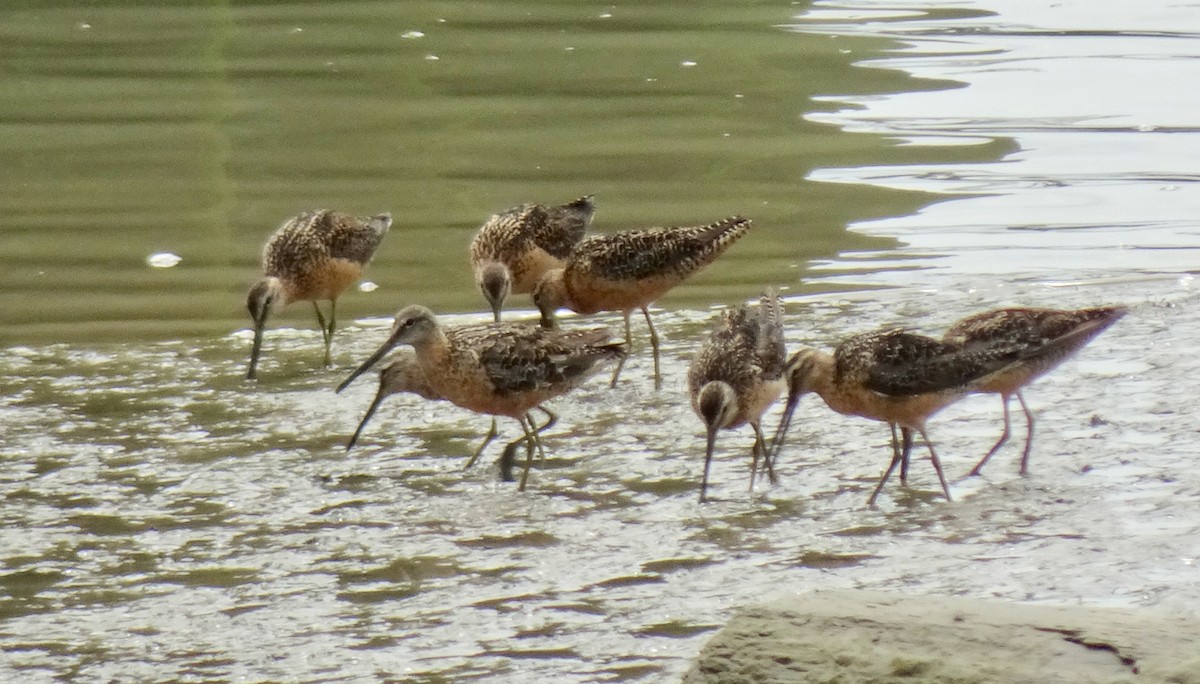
<point>1029,328</point>
<point>503,234</point>
<point>509,236</point>
<point>305,240</point>
<point>899,363</point>
<point>745,349</point>
<point>655,252</point>
<point>563,226</point>
<point>519,357</point>
<point>1040,338</point>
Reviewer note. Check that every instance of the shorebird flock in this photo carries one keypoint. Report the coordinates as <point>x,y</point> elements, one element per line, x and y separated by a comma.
<point>509,369</point>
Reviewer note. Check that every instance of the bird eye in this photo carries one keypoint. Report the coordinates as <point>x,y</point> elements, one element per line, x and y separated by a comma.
<point>406,324</point>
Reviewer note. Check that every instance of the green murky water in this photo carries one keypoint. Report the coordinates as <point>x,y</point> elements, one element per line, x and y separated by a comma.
<point>166,520</point>
<point>136,129</point>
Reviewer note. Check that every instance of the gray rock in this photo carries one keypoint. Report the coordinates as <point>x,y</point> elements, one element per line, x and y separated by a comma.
<point>844,637</point>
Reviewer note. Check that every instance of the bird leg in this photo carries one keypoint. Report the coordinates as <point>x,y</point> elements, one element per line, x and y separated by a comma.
<point>509,455</point>
<point>332,325</point>
<point>491,434</point>
<point>905,452</point>
<point>1004,438</point>
<point>760,443</point>
<point>531,438</point>
<point>901,456</point>
<point>1028,432</point>
<point>896,453</point>
<point>628,349</point>
<point>321,322</point>
<point>326,329</point>
<point>508,459</point>
<point>883,480</point>
<point>654,346</point>
<point>754,462</point>
<point>551,419</point>
<point>937,464</point>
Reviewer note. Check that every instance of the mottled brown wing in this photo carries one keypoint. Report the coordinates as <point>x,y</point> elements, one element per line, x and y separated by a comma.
<point>294,245</point>
<point>351,237</point>
<point>1031,329</point>
<point>899,363</point>
<point>521,358</point>
<point>744,348</point>
<point>502,236</point>
<point>653,252</point>
<point>557,230</point>
<point>727,354</point>
<point>770,347</point>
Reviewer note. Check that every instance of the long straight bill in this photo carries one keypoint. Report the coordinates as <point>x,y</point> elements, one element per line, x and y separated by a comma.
<point>711,443</point>
<point>374,359</point>
<point>255,350</point>
<point>370,412</point>
<point>781,432</point>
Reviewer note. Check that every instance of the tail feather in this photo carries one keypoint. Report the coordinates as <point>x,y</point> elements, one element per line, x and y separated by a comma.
<point>771,348</point>
<point>587,203</point>
<point>1078,336</point>
<point>380,223</point>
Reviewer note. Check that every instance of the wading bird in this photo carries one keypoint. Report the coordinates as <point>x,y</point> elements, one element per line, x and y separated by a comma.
<point>499,369</point>
<point>1043,338</point>
<point>512,249</point>
<point>311,257</point>
<point>629,270</point>
<point>737,375</point>
<point>404,375</point>
<point>892,376</point>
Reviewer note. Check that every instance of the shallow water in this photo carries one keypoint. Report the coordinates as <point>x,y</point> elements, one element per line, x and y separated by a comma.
<point>165,520</point>
<point>194,132</point>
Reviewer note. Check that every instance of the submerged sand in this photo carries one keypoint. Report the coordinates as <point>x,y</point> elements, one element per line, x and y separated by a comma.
<point>862,636</point>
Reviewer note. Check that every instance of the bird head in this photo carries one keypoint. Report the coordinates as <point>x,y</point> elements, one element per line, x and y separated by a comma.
<point>262,300</point>
<point>716,404</point>
<point>495,282</point>
<point>380,223</point>
<point>802,373</point>
<point>412,325</point>
<point>550,295</point>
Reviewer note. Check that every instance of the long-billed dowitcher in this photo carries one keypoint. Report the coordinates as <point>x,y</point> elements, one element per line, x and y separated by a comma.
<point>1043,338</point>
<point>629,270</point>
<point>404,375</point>
<point>311,257</point>
<point>737,374</point>
<point>892,376</point>
<point>499,369</point>
<point>512,249</point>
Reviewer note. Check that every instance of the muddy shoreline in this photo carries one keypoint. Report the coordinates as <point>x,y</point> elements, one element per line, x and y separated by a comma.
<point>870,636</point>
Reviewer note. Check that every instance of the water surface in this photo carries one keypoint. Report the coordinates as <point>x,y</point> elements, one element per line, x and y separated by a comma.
<point>165,519</point>
<point>196,130</point>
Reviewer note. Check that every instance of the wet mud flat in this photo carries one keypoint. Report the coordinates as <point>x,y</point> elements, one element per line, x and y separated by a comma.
<point>908,635</point>
<point>166,519</point>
